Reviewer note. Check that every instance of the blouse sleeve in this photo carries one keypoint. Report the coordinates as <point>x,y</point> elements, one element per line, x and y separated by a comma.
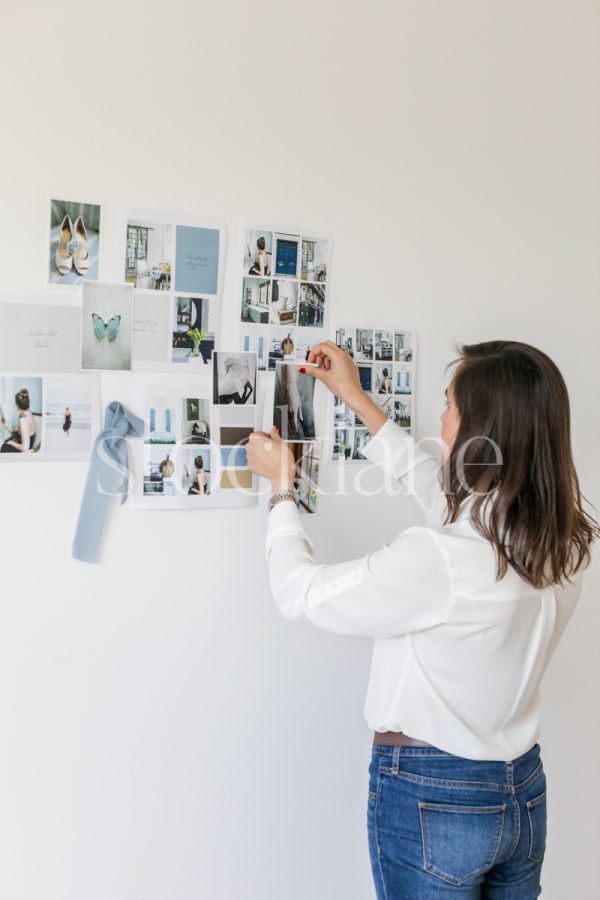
<point>401,458</point>
<point>405,586</point>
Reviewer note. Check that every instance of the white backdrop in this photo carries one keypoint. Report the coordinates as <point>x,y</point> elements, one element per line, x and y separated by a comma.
<point>166,736</point>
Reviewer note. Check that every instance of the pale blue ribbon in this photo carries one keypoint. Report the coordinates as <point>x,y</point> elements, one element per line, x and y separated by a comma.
<point>108,475</point>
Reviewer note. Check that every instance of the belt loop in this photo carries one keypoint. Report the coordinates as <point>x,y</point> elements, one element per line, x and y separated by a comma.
<point>396,760</point>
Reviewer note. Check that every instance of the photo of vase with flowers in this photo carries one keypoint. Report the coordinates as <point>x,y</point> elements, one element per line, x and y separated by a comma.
<point>193,330</point>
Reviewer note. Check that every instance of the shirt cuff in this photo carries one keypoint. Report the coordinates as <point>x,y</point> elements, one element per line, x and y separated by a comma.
<point>394,450</point>
<point>285,519</point>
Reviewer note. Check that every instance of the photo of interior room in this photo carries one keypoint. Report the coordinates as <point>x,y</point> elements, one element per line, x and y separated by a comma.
<point>313,265</point>
<point>361,438</point>
<point>311,309</point>
<point>148,255</point>
<point>284,301</point>
<point>194,327</point>
<point>195,421</point>
<point>344,338</point>
<point>403,346</point>
<point>402,412</point>
<point>384,346</point>
<point>342,444</point>
<point>364,345</point>
<point>256,293</point>
<point>159,472</point>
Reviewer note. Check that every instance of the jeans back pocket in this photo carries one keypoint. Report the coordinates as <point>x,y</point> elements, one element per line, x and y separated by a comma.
<point>536,812</point>
<point>460,842</point>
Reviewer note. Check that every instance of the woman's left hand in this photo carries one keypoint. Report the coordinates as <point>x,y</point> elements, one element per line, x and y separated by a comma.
<point>272,458</point>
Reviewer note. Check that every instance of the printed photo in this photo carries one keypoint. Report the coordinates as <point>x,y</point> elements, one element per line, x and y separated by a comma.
<point>256,297</point>
<point>196,466</point>
<point>233,457</point>
<point>366,378</point>
<point>196,259</point>
<point>194,329</point>
<point>258,252</point>
<point>343,416</point>
<point>236,479</point>
<point>74,242</point>
<point>148,255</point>
<point>282,346</point>
<point>361,438</point>
<point>195,421</point>
<point>386,403</point>
<point>151,326</point>
<point>383,378</point>
<point>232,435</point>
<point>384,345</point>
<point>364,345</point>
<point>342,444</point>
<point>314,259</point>
<point>293,403</point>
<point>20,414</point>
<point>402,380</point>
<point>255,342</point>
<point>344,338</point>
<point>160,477</point>
<point>402,411</point>
<point>159,424</point>
<point>287,255</point>
<point>311,306</point>
<point>304,339</point>
<point>107,326</point>
<point>284,301</point>
<point>68,403</point>
<point>403,346</point>
<point>234,378</point>
<point>306,480</point>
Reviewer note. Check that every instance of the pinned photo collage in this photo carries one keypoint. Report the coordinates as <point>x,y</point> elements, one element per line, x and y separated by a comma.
<point>195,434</point>
<point>175,266</point>
<point>294,416</point>
<point>283,294</point>
<point>48,417</point>
<point>386,360</point>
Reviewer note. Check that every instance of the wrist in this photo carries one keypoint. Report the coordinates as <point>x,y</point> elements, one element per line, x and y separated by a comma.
<point>284,483</point>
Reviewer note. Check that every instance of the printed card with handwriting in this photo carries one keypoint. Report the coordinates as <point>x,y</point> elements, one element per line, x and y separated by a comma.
<point>39,337</point>
<point>175,264</point>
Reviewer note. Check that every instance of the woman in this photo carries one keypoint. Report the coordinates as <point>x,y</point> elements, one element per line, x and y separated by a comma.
<point>234,385</point>
<point>466,613</point>
<point>22,438</point>
<point>260,264</point>
<point>200,483</point>
<point>67,422</point>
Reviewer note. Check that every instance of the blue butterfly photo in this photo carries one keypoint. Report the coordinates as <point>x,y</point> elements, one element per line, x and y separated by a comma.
<point>110,328</point>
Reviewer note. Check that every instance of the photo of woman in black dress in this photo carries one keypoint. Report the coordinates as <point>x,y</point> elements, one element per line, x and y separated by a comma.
<point>22,438</point>
<point>67,422</point>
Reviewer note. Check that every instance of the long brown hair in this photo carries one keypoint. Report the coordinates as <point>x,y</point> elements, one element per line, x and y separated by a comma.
<point>512,454</point>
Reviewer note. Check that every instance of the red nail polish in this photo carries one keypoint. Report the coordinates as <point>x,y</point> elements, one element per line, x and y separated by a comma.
<point>302,370</point>
<point>276,427</point>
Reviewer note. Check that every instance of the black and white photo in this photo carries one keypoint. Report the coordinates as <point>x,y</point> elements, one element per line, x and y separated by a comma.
<point>234,378</point>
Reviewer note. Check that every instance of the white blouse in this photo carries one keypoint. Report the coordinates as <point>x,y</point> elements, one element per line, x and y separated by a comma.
<point>458,656</point>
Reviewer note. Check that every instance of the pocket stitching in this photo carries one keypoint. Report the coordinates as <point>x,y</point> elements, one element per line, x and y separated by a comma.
<point>471,809</point>
<point>531,804</point>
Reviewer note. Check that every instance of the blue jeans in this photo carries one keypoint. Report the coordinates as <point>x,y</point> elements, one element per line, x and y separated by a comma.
<point>442,825</point>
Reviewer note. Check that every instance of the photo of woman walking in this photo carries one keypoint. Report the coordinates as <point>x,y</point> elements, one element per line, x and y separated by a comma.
<point>465,613</point>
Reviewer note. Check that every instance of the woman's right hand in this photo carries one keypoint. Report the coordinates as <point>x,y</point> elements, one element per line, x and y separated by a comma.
<point>338,371</point>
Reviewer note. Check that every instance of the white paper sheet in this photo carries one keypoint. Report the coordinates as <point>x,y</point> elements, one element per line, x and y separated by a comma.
<point>39,337</point>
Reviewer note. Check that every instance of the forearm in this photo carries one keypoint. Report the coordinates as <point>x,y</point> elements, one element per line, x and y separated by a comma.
<point>367,410</point>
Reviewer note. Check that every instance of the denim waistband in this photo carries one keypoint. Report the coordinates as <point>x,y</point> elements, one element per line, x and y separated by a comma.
<point>513,774</point>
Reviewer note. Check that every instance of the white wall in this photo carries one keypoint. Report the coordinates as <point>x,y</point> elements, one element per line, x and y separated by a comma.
<point>166,735</point>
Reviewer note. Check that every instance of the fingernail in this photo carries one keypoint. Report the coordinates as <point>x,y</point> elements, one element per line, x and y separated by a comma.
<point>302,369</point>
<point>276,427</point>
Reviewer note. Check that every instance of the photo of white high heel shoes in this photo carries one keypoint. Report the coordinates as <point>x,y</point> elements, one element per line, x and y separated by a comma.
<point>74,242</point>
<point>65,258</point>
